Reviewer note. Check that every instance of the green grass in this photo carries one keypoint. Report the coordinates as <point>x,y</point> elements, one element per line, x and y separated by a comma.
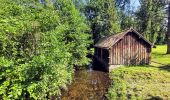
<point>159,55</point>
<point>142,82</point>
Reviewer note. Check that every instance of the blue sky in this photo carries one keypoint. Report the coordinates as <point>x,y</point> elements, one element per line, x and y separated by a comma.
<point>135,3</point>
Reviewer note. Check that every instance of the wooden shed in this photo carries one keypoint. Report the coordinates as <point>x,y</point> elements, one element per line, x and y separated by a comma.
<point>126,48</point>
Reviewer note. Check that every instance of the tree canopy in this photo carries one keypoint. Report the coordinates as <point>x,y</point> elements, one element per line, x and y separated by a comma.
<point>40,46</point>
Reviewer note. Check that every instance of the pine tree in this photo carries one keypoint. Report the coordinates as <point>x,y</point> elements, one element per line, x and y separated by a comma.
<point>102,17</point>
<point>150,18</point>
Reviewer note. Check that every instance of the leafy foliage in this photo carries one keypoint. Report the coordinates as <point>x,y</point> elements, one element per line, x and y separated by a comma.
<point>39,47</point>
<point>150,20</point>
<point>103,18</point>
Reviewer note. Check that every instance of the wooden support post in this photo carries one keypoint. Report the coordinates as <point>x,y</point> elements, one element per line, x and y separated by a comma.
<point>110,55</point>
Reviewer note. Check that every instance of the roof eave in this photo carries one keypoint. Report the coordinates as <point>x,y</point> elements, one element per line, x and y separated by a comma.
<point>101,47</point>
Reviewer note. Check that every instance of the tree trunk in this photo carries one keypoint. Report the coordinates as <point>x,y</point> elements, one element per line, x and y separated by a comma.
<point>168,34</point>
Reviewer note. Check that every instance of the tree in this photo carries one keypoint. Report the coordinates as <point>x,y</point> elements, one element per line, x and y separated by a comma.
<point>39,47</point>
<point>126,13</point>
<point>105,17</point>
<point>102,17</point>
<point>122,4</point>
<point>76,34</point>
<point>150,18</point>
<point>168,33</point>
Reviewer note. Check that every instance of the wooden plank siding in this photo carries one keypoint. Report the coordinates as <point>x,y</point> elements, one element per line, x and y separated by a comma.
<point>130,50</point>
<point>125,48</point>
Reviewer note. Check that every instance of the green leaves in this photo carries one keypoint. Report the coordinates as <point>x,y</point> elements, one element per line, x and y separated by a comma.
<point>150,20</point>
<point>39,47</point>
<point>102,16</point>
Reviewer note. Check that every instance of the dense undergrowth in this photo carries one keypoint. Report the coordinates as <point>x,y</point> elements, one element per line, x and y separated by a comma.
<point>40,44</point>
<point>142,82</point>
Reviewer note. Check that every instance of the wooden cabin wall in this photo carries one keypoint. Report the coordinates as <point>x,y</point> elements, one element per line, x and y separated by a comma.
<point>131,50</point>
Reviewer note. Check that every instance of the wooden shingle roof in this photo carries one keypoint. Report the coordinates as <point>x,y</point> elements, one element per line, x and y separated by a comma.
<point>109,41</point>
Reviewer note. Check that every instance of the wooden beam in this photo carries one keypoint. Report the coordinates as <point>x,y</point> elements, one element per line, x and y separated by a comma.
<point>110,56</point>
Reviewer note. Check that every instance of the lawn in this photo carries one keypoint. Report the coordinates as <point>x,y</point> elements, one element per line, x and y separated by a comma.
<point>142,82</point>
<point>159,55</point>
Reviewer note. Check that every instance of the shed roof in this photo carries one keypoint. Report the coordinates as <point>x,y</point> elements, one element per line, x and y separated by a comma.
<point>109,41</point>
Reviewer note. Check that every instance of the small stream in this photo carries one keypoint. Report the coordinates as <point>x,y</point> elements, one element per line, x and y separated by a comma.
<point>88,85</point>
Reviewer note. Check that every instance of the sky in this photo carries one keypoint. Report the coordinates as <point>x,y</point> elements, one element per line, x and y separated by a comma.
<point>135,3</point>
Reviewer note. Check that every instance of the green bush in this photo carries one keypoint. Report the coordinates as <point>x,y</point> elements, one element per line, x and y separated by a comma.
<point>39,48</point>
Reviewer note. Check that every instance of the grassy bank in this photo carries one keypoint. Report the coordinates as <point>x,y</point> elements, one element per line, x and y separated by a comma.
<point>143,82</point>
<point>159,55</point>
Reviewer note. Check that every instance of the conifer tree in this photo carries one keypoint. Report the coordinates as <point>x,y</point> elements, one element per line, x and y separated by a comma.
<point>103,18</point>
<point>150,18</point>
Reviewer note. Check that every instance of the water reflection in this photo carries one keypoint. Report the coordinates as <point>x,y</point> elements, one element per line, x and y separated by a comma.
<point>87,85</point>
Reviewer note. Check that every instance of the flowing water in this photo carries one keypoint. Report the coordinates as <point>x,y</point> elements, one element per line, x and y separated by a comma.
<point>88,85</point>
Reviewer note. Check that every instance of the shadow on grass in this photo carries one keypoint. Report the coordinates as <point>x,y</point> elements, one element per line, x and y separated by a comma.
<point>162,66</point>
<point>155,98</point>
<point>159,54</point>
<point>167,68</point>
